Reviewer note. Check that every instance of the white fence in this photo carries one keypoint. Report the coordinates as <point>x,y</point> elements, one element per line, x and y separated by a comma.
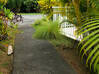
<point>66,28</point>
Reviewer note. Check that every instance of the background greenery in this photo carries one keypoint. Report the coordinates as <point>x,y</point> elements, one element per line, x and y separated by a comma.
<point>23,6</point>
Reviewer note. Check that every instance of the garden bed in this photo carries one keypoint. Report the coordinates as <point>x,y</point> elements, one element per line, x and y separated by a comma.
<point>6,59</point>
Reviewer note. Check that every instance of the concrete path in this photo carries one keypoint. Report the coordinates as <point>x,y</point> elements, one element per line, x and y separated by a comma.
<point>32,56</point>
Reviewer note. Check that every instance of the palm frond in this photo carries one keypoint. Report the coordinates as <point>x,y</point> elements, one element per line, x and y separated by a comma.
<point>90,43</point>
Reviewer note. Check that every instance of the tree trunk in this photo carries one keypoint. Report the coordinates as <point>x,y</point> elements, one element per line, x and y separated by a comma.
<point>77,11</point>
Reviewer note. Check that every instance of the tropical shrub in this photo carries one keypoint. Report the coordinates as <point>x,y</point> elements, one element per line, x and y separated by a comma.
<point>48,31</point>
<point>46,7</point>
<point>2,3</point>
<point>7,28</point>
<point>5,15</point>
<point>8,13</point>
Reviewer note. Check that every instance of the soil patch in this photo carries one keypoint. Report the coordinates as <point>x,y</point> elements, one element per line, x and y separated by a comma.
<point>67,48</point>
<point>71,56</point>
<point>5,63</point>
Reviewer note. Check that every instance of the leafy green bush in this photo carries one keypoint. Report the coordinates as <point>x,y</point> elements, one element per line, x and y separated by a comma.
<point>50,30</point>
<point>8,13</point>
<point>5,16</point>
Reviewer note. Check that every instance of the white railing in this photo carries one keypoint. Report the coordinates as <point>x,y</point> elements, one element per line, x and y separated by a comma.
<point>66,28</point>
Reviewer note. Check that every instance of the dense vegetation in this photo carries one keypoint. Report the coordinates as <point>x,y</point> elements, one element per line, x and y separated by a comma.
<point>23,6</point>
<point>7,35</point>
<point>87,17</point>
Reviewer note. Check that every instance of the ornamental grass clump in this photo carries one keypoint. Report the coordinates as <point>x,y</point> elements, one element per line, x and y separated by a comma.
<point>48,31</point>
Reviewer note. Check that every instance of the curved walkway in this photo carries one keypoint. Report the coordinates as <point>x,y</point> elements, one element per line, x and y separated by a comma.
<point>32,56</point>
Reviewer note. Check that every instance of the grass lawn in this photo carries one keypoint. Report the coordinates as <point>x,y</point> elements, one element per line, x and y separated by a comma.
<point>30,13</point>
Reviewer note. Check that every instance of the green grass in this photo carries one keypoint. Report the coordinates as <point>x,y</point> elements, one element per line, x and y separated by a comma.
<point>30,13</point>
<point>65,41</point>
